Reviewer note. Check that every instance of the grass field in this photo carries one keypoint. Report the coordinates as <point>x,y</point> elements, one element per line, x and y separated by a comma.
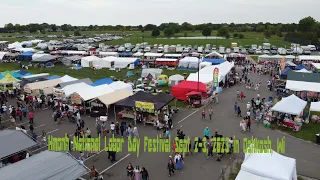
<point>139,37</point>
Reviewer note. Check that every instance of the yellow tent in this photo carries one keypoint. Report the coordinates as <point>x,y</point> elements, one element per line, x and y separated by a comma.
<point>9,79</point>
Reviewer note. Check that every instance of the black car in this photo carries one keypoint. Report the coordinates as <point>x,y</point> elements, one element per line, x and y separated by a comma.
<point>274,52</point>
<point>251,51</point>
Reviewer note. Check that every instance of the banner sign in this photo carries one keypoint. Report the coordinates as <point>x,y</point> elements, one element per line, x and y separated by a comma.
<point>283,63</point>
<point>216,77</point>
<point>145,106</point>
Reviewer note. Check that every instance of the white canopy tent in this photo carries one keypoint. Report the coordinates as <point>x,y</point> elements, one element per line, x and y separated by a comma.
<point>175,79</point>
<point>106,62</point>
<point>290,105</point>
<point>302,86</point>
<point>67,78</point>
<point>89,61</point>
<point>303,71</point>
<point>70,89</point>
<point>119,85</point>
<point>315,106</point>
<point>189,62</point>
<point>267,166</point>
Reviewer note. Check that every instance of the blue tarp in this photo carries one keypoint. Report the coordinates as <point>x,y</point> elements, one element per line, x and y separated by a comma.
<point>23,72</point>
<point>285,71</point>
<point>125,54</point>
<point>213,61</point>
<point>301,66</point>
<point>26,56</point>
<point>102,81</point>
<point>53,77</point>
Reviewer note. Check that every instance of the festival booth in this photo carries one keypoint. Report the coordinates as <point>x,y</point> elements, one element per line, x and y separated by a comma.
<point>70,60</point>
<point>181,90</point>
<point>267,166</point>
<point>151,57</point>
<point>108,54</point>
<point>213,61</point>
<point>214,55</point>
<point>45,165</point>
<point>25,56</point>
<point>130,63</point>
<point>14,146</point>
<point>151,108</point>
<point>41,88</point>
<point>236,57</point>
<point>102,81</point>
<point>8,81</point>
<point>189,63</point>
<point>175,79</point>
<point>88,61</point>
<point>167,62</point>
<point>292,109</point>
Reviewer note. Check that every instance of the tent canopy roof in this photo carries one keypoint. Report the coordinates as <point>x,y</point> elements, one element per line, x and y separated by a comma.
<point>102,81</point>
<point>45,165</point>
<point>290,105</point>
<point>64,84</point>
<point>158,100</point>
<point>14,141</point>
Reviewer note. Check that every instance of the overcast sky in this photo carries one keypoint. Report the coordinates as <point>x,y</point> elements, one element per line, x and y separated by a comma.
<point>136,12</point>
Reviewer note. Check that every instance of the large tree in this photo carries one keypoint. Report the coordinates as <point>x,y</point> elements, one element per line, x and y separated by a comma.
<point>207,31</point>
<point>155,33</point>
<point>306,24</point>
<point>168,32</point>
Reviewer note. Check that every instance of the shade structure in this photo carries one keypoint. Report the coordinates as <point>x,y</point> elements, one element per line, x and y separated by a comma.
<point>290,105</point>
<point>67,78</point>
<point>8,79</point>
<point>115,96</point>
<point>73,88</point>
<point>118,85</point>
<point>64,84</point>
<point>267,166</point>
<point>159,100</point>
<point>179,91</point>
<point>315,106</point>
<point>102,81</point>
<point>14,141</point>
<point>47,165</point>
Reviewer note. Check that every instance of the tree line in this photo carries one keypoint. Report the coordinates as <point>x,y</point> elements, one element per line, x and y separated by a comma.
<point>307,28</point>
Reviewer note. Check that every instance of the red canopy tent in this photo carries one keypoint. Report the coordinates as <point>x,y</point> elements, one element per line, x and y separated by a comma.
<point>181,90</point>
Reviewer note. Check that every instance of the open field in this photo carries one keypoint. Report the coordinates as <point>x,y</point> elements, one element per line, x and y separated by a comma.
<point>139,37</point>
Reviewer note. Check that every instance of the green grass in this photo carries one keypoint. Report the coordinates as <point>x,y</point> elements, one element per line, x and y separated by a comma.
<point>139,37</point>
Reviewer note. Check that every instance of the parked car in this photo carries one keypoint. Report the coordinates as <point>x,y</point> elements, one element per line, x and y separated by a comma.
<point>273,52</point>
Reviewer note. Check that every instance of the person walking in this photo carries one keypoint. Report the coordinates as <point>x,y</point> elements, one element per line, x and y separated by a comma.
<point>210,113</point>
<point>171,167</point>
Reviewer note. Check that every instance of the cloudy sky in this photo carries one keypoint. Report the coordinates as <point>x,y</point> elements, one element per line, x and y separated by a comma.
<point>136,12</point>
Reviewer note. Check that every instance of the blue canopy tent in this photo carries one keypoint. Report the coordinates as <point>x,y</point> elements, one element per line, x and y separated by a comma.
<point>285,72</point>
<point>26,56</point>
<point>301,66</point>
<point>53,77</point>
<point>213,61</point>
<point>102,81</point>
<point>126,54</point>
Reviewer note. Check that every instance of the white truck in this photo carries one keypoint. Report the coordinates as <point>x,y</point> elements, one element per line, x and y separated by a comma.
<point>236,49</point>
<point>254,47</point>
<point>266,46</point>
<point>282,51</point>
<point>179,49</point>
<point>200,49</point>
<point>222,50</point>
